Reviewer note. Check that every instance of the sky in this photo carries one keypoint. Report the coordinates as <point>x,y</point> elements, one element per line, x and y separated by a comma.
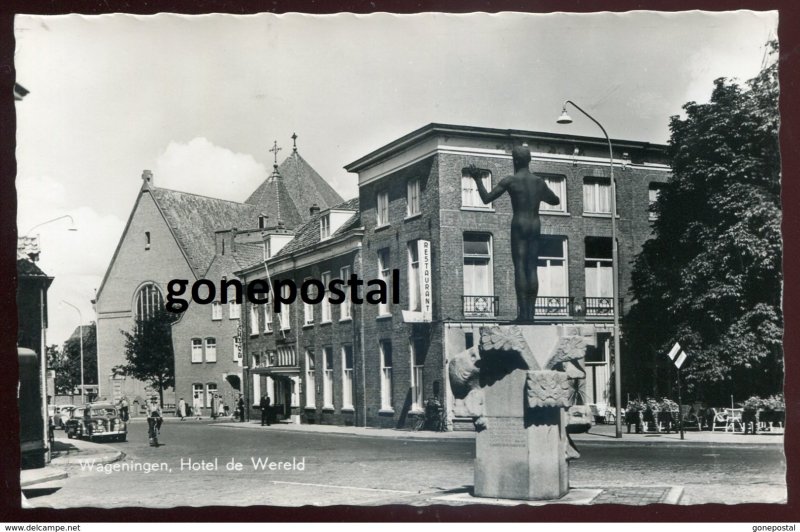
<point>200,100</point>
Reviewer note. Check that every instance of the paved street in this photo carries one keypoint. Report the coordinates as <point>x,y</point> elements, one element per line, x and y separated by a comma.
<point>347,469</point>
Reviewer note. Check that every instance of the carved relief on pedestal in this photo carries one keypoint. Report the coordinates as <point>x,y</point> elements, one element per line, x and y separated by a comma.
<point>502,350</point>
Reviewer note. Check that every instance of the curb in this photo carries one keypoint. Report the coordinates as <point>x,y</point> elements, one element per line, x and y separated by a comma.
<point>678,443</point>
<point>83,451</point>
<point>379,433</point>
<point>55,474</point>
<point>580,439</point>
<point>99,458</point>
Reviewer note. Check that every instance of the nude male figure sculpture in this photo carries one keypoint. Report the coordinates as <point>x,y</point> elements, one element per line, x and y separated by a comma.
<point>527,190</point>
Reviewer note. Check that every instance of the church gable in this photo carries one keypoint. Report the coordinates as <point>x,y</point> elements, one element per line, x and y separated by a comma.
<point>147,251</point>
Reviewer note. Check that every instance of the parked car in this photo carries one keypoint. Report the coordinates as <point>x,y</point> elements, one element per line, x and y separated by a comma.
<point>105,423</point>
<point>59,414</point>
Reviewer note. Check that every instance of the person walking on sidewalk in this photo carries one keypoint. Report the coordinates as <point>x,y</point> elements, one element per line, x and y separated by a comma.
<point>214,402</point>
<point>197,405</point>
<point>240,407</point>
<point>182,409</point>
<point>123,409</point>
<point>265,402</point>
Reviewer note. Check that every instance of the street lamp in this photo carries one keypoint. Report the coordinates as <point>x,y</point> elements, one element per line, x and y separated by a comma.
<point>80,326</point>
<point>71,227</point>
<point>566,119</point>
<point>29,245</point>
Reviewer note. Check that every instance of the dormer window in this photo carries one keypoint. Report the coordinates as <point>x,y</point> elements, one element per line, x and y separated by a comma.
<point>262,221</point>
<point>325,227</point>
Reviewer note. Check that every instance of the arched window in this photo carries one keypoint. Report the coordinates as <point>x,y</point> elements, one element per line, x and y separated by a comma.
<point>148,300</point>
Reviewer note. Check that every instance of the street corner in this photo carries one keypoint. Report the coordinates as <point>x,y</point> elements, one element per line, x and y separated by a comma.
<point>74,452</point>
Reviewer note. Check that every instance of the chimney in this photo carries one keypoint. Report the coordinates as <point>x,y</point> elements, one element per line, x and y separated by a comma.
<point>147,177</point>
<point>314,210</point>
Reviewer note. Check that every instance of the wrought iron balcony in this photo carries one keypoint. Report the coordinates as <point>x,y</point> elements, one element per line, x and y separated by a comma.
<point>601,307</point>
<point>480,306</point>
<point>553,306</point>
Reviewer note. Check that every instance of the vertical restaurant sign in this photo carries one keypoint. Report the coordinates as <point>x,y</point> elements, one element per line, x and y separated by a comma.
<point>425,286</point>
<point>426,282</point>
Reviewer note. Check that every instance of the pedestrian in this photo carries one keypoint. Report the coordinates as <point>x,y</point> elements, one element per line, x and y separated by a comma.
<point>221,407</point>
<point>240,406</point>
<point>123,409</point>
<point>87,420</point>
<point>197,404</point>
<point>214,406</point>
<point>265,402</point>
<point>182,409</point>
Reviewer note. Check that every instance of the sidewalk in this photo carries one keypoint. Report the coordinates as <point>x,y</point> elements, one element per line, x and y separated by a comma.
<point>66,452</point>
<point>607,434</point>
<point>598,434</point>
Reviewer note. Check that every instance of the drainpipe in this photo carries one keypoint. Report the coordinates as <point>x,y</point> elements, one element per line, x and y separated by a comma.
<point>359,314</point>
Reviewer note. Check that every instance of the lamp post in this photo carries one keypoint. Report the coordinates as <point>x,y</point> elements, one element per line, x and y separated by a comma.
<point>80,327</point>
<point>72,226</point>
<point>565,119</point>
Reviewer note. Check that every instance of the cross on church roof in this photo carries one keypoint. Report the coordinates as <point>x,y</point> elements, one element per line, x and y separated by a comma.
<point>294,141</point>
<point>275,149</point>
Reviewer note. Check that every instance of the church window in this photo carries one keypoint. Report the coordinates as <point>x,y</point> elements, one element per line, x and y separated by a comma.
<point>148,301</point>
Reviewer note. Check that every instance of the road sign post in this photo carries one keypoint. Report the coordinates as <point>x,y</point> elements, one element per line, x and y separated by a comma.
<point>678,357</point>
<point>680,411</point>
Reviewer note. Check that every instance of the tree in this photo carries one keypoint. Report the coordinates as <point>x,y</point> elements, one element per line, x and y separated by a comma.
<point>66,361</point>
<point>72,354</point>
<point>149,353</point>
<point>710,278</point>
<point>64,382</point>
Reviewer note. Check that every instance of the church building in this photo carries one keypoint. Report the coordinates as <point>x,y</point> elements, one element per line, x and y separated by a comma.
<point>180,235</point>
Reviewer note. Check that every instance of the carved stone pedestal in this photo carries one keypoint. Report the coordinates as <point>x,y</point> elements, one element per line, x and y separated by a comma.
<point>522,452</point>
<point>517,384</point>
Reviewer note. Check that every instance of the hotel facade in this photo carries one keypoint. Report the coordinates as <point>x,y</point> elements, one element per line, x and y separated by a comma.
<point>416,211</point>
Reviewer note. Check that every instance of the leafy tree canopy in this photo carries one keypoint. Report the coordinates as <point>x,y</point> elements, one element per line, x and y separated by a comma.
<point>711,277</point>
<point>66,362</point>
<point>148,351</point>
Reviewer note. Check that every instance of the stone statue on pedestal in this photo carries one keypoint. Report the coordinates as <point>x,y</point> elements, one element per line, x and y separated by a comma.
<point>527,190</point>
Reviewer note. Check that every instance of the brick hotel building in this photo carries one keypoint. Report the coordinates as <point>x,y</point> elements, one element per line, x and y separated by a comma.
<point>375,365</point>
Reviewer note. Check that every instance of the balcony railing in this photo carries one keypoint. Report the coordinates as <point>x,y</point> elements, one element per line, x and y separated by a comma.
<point>481,306</point>
<point>553,306</point>
<point>601,307</point>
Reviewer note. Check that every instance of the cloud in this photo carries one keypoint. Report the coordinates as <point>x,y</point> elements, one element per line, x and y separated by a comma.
<point>201,167</point>
<point>76,259</point>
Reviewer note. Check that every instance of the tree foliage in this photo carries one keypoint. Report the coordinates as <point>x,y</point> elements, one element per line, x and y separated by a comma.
<point>148,351</point>
<point>64,382</point>
<point>710,278</point>
<point>66,361</point>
